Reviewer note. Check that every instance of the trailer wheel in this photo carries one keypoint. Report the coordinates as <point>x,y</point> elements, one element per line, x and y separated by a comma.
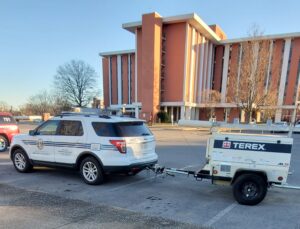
<point>249,189</point>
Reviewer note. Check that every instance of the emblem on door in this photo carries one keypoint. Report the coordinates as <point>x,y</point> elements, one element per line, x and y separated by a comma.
<point>40,144</point>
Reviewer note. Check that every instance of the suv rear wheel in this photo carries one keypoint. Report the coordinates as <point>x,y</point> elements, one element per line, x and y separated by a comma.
<point>3,143</point>
<point>249,189</point>
<point>91,171</point>
<point>21,161</point>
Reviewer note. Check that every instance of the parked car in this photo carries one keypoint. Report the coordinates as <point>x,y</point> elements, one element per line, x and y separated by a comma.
<point>95,145</point>
<point>297,127</point>
<point>282,127</point>
<point>281,124</point>
<point>8,128</point>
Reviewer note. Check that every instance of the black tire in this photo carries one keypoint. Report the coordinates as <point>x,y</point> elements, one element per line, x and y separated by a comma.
<point>18,157</point>
<point>250,189</point>
<point>3,143</point>
<point>91,171</point>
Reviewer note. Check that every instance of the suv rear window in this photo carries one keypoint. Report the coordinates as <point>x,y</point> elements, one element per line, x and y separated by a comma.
<point>5,119</point>
<point>121,129</point>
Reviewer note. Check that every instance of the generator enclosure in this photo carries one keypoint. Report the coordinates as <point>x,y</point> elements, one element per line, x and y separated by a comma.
<point>228,154</point>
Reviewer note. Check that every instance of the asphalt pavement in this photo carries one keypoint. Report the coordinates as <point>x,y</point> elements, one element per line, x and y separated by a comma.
<point>143,200</point>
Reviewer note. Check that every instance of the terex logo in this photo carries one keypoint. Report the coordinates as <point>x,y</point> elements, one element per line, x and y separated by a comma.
<point>243,146</point>
<point>226,145</point>
<point>250,146</point>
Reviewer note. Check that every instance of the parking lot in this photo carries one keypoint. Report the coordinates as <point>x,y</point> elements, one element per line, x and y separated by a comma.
<point>61,199</point>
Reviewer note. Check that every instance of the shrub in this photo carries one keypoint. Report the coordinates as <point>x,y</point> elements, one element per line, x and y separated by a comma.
<point>163,117</point>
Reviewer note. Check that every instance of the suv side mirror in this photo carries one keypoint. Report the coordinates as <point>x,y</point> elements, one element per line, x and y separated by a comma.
<point>31,132</point>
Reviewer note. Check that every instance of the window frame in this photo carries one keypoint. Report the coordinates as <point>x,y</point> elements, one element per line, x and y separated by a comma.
<point>59,126</point>
<point>43,125</point>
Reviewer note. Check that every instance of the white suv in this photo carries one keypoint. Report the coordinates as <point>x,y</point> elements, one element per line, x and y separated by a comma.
<point>94,144</point>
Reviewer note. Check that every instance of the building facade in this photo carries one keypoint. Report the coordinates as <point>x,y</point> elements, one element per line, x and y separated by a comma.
<point>178,60</point>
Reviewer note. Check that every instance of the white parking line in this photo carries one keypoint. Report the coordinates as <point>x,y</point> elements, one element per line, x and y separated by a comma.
<point>5,163</point>
<point>218,216</point>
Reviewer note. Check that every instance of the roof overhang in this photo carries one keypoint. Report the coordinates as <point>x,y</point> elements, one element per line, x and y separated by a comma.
<point>119,52</point>
<point>258,38</point>
<point>192,19</point>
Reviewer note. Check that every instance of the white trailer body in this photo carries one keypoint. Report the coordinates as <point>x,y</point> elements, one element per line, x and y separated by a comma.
<point>231,153</point>
<point>250,163</point>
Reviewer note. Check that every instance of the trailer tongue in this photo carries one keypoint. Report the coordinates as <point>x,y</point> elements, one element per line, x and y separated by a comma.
<point>250,163</point>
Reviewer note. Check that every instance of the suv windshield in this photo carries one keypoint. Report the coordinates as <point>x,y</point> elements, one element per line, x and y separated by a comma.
<point>121,129</point>
<point>5,119</point>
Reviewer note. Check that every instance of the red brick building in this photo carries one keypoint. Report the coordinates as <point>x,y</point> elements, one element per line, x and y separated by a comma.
<point>177,58</point>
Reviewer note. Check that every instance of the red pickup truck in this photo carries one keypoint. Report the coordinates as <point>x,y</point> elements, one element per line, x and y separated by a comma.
<point>8,128</point>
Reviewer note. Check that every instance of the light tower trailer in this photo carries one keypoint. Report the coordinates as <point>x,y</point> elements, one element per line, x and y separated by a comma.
<point>250,163</point>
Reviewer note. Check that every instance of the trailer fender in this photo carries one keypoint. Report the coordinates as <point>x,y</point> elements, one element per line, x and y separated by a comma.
<point>245,171</point>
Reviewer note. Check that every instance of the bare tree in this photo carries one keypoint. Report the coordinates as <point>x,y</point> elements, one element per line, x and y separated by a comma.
<point>4,106</point>
<point>45,102</point>
<point>76,81</point>
<point>252,90</point>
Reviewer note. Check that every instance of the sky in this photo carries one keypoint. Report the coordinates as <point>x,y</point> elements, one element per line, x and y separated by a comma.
<point>38,36</point>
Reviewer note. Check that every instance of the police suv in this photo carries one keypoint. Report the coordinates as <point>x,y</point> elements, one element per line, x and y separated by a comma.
<point>93,144</point>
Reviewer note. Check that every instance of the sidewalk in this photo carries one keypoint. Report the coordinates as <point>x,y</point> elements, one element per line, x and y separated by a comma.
<point>169,126</point>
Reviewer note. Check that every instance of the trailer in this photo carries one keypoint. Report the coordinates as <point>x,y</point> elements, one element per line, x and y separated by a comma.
<point>250,163</point>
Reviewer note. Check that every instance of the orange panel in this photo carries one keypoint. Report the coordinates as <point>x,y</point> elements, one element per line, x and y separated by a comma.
<point>139,53</point>
<point>132,99</point>
<point>292,77</point>
<point>219,112</point>
<point>175,50</point>
<point>125,79</point>
<point>202,114</point>
<point>149,80</point>
<point>188,63</point>
<point>105,68</point>
<point>218,68</point>
<point>114,80</point>
<point>276,64</point>
<point>234,113</point>
<point>232,76</point>
<point>217,29</point>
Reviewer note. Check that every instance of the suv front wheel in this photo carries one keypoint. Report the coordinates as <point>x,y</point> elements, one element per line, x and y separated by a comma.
<point>91,171</point>
<point>21,161</point>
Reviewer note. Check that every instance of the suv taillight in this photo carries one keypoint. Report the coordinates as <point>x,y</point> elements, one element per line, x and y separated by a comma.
<point>120,145</point>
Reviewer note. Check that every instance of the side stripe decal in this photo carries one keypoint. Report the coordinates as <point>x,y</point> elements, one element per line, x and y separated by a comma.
<point>69,144</point>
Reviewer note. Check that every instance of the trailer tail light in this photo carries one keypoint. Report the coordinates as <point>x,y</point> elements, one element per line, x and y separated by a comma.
<point>215,172</point>
<point>280,178</point>
<point>120,145</point>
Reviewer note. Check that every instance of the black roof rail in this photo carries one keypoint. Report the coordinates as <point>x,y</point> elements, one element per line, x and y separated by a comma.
<point>73,114</point>
<point>104,116</point>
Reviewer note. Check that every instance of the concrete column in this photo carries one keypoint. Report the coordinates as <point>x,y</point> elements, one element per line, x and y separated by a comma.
<point>182,112</point>
<point>258,116</point>
<point>197,113</point>
<point>284,70</point>
<point>225,72</point>
<point>242,116</point>
<point>188,113</point>
<point>278,115</point>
